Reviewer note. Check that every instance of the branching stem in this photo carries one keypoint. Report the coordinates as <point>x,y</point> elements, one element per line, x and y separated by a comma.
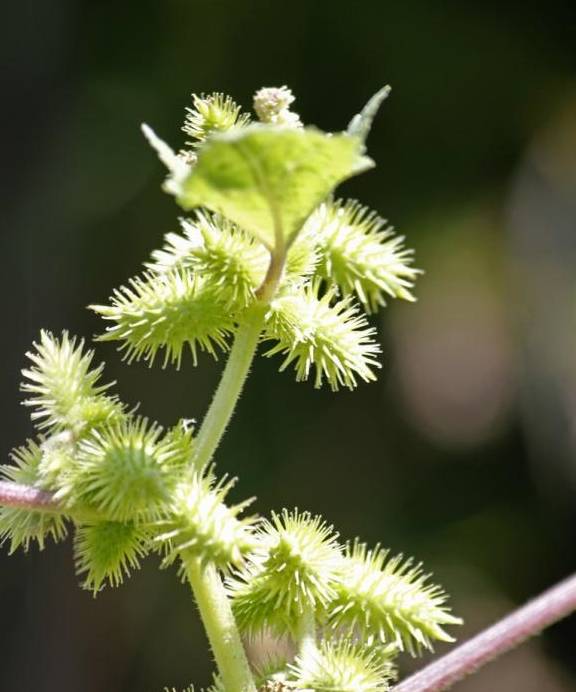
<point>531,619</point>
<point>220,625</point>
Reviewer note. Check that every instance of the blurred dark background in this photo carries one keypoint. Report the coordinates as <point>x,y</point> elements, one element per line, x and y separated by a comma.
<point>463,454</point>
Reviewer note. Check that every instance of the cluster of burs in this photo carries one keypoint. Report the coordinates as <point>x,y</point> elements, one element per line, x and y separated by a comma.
<point>267,241</point>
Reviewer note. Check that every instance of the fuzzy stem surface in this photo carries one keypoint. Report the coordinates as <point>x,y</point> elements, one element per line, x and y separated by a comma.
<point>527,621</point>
<point>220,625</point>
<point>306,634</point>
<point>229,388</point>
<point>26,497</point>
<point>213,603</point>
<point>36,500</point>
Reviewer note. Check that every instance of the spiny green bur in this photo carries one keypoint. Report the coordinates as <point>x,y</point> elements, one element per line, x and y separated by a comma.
<point>268,254</point>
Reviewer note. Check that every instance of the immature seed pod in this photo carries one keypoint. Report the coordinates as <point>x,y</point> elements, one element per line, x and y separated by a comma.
<point>293,570</point>
<point>64,389</point>
<point>314,331</point>
<point>107,551</point>
<point>389,600</point>
<point>346,666</point>
<point>126,472</point>
<point>198,524</point>
<point>167,312</point>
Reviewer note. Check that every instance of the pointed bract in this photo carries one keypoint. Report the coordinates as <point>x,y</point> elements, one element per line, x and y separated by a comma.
<point>178,165</point>
<point>361,124</point>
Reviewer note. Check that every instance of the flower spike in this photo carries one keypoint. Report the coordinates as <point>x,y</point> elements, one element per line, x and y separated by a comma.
<point>272,105</point>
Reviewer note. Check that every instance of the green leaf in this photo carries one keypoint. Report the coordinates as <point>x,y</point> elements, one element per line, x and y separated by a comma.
<point>269,179</point>
<point>361,123</point>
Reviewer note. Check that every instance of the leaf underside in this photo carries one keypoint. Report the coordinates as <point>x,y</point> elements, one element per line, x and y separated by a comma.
<point>269,179</point>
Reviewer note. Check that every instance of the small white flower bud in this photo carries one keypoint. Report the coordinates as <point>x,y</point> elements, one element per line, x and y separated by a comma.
<point>272,105</point>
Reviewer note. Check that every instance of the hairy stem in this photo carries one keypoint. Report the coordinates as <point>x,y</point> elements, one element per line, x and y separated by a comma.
<point>230,387</point>
<point>26,497</point>
<point>213,603</point>
<point>36,500</point>
<point>531,619</point>
<point>272,278</point>
<point>221,628</point>
<point>306,634</point>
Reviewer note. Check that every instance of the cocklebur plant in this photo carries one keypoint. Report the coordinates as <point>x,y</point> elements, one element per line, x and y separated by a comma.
<point>267,255</point>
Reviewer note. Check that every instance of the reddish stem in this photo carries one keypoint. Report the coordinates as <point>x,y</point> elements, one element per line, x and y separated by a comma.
<point>531,619</point>
<point>26,497</point>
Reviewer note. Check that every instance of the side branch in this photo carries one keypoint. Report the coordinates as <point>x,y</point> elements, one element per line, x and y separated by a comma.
<point>531,619</point>
<point>26,497</point>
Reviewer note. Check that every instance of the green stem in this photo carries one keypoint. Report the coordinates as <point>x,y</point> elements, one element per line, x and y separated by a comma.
<point>306,634</point>
<point>221,628</point>
<point>230,387</point>
<point>213,603</point>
